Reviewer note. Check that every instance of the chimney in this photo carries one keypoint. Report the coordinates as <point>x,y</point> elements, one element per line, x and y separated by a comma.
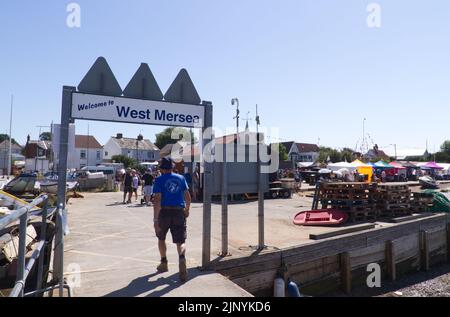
<point>140,137</point>
<point>28,138</point>
<point>119,136</point>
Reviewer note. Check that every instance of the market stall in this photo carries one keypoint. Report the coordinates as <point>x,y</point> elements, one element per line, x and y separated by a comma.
<point>364,169</point>
<point>382,166</point>
<point>400,172</point>
<point>431,168</point>
<point>411,170</point>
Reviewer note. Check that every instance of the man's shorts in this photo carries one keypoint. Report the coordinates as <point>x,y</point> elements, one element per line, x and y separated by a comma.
<point>175,221</point>
<point>128,189</point>
<point>148,190</point>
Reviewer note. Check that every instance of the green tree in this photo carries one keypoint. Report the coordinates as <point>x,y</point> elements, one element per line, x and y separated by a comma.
<point>326,153</point>
<point>45,136</point>
<point>283,153</point>
<point>4,137</point>
<point>347,155</point>
<point>165,137</point>
<point>127,161</point>
<point>445,147</point>
<point>443,157</point>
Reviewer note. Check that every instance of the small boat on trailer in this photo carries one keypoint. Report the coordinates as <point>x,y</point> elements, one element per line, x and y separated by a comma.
<point>428,183</point>
<point>322,217</point>
<point>51,186</point>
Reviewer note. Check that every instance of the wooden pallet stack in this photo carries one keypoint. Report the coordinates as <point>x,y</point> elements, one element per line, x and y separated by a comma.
<point>394,200</point>
<point>421,202</point>
<point>358,199</point>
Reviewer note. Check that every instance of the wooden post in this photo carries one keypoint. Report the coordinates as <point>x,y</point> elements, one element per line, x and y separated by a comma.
<point>346,272</point>
<point>390,260</point>
<point>424,251</point>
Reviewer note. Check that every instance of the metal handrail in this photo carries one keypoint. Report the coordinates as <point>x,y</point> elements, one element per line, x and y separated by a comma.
<point>16,214</point>
<point>23,269</point>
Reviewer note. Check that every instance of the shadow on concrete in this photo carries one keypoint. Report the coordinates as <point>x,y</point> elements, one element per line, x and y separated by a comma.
<point>115,204</point>
<point>235,202</point>
<point>145,284</point>
<point>138,206</point>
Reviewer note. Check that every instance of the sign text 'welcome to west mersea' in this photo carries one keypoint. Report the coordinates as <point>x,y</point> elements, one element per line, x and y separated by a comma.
<point>119,109</point>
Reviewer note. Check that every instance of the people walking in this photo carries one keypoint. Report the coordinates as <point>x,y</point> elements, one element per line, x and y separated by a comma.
<point>136,182</point>
<point>127,186</point>
<point>147,186</point>
<point>171,209</point>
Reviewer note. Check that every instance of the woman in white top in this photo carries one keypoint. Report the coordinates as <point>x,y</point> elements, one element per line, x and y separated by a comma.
<point>135,184</point>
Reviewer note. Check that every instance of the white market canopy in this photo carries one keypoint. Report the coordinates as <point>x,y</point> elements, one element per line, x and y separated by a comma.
<point>341,165</point>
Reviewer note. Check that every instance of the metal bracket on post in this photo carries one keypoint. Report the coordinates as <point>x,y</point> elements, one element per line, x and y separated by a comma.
<point>58,261</point>
<point>207,183</point>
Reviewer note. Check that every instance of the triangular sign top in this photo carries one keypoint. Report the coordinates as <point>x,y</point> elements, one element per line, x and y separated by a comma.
<point>143,85</point>
<point>100,80</point>
<point>182,90</point>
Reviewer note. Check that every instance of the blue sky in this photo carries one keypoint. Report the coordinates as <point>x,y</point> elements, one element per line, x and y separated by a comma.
<point>314,67</point>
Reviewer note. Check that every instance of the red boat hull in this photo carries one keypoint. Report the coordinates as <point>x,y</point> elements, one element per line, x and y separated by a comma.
<point>324,217</point>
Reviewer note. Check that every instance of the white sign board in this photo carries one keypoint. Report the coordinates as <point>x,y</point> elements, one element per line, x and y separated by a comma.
<point>119,109</point>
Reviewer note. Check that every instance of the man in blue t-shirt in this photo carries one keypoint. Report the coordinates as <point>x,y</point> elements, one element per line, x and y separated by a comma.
<point>172,202</point>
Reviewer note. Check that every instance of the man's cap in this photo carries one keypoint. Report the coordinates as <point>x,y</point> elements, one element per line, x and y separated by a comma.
<point>166,163</point>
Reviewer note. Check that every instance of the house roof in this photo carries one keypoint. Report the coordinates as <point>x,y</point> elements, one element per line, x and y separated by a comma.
<point>302,147</point>
<point>185,150</point>
<point>306,147</point>
<point>86,141</point>
<point>232,138</point>
<point>130,144</point>
<point>377,154</point>
<point>45,145</point>
<point>166,150</point>
<point>5,144</point>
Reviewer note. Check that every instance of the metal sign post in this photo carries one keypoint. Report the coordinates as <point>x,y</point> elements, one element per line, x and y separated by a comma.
<point>224,201</point>
<point>261,244</point>
<point>58,259</point>
<point>261,187</point>
<point>100,97</point>
<point>207,188</point>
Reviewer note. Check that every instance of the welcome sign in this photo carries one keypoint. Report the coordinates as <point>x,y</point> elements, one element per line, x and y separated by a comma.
<point>128,110</point>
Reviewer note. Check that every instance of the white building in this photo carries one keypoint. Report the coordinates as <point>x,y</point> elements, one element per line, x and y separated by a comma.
<point>302,152</point>
<point>138,148</point>
<point>88,152</point>
<point>16,153</point>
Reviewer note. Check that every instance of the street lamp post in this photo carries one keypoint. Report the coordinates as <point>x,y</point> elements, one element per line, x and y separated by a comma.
<point>235,102</point>
<point>137,146</point>
<point>10,138</point>
<point>395,147</point>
